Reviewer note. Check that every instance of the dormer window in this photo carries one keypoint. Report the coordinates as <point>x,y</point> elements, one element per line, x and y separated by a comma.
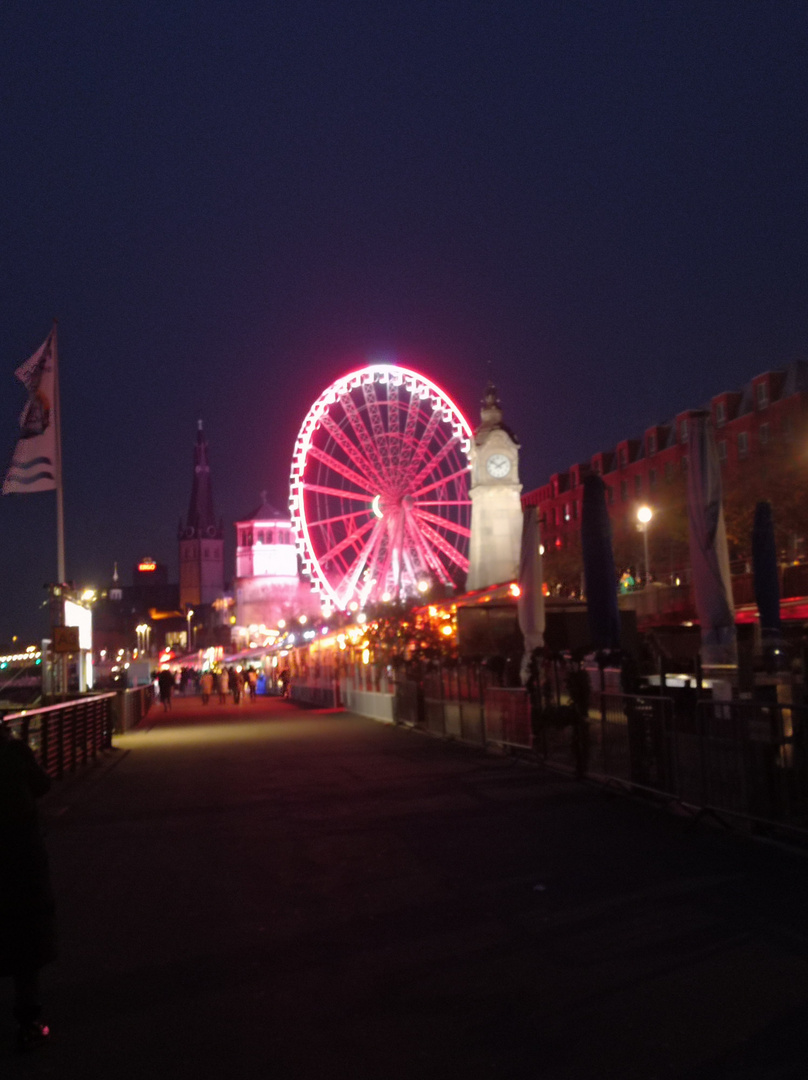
<point>652,443</point>
<point>623,457</point>
<point>683,431</point>
<point>720,413</point>
<point>762,395</point>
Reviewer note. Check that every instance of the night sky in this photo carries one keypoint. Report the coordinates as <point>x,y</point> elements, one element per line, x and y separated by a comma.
<point>228,205</point>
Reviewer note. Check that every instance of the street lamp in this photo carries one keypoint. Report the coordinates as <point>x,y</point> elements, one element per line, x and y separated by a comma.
<point>644,515</point>
<point>190,616</point>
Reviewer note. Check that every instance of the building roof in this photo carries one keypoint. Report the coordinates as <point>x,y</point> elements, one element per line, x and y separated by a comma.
<point>266,512</point>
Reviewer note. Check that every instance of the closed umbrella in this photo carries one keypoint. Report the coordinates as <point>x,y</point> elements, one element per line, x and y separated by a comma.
<point>765,572</point>
<point>600,579</point>
<point>531,598</point>
<point>709,555</point>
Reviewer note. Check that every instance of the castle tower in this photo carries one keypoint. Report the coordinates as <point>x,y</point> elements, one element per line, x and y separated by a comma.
<point>496,507</point>
<point>201,537</point>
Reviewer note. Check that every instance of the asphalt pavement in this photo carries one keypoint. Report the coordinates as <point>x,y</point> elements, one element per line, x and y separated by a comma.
<point>264,891</point>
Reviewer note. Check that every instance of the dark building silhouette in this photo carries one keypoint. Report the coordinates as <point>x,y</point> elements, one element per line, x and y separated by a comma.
<point>201,537</point>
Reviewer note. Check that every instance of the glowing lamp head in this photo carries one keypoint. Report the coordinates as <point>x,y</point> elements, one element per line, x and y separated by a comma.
<point>644,514</point>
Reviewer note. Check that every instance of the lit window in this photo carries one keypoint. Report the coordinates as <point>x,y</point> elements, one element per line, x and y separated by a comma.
<point>743,444</point>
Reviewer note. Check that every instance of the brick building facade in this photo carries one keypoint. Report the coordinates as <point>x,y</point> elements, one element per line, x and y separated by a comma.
<point>769,416</point>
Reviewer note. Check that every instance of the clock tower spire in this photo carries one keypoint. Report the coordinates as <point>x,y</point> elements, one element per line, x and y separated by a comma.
<point>496,507</point>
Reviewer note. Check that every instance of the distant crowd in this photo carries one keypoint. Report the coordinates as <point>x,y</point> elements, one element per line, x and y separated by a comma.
<point>244,684</point>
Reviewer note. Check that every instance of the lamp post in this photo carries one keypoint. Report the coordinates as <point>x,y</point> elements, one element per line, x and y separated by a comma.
<point>644,515</point>
<point>190,628</point>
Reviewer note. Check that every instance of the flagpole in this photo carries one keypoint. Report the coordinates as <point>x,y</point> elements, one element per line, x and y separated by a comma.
<point>57,424</point>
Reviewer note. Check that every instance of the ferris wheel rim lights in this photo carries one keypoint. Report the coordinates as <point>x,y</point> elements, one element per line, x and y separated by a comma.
<point>387,374</point>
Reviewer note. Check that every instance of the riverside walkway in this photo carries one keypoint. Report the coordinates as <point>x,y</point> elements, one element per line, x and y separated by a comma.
<point>264,891</point>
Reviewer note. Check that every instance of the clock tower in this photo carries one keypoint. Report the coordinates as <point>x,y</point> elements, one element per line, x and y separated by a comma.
<point>496,506</point>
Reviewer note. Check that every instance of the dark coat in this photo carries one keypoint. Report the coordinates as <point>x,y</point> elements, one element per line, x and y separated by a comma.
<point>27,923</point>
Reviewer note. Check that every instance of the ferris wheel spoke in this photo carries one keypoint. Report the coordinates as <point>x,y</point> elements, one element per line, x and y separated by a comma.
<point>360,459</point>
<point>431,560</point>
<point>376,422</point>
<point>435,461</point>
<point>444,547</point>
<point>392,412</point>
<point>444,502</point>
<point>413,409</point>
<point>423,446</point>
<point>342,469</point>
<point>441,481</point>
<point>349,519</point>
<point>362,559</point>
<point>352,539</point>
<point>443,523</point>
<point>320,489</point>
<point>361,432</point>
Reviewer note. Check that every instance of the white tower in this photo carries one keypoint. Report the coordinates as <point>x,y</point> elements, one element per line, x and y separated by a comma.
<point>496,507</point>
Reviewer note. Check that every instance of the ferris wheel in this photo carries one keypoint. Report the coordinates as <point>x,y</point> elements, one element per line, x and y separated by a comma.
<point>380,487</point>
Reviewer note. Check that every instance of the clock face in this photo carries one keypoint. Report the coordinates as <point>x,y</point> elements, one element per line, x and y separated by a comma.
<point>498,466</point>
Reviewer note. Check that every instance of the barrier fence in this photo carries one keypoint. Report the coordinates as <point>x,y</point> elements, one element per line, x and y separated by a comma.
<point>66,736</point>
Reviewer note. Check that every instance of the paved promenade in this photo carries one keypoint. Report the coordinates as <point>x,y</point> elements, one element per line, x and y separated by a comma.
<point>268,892</point>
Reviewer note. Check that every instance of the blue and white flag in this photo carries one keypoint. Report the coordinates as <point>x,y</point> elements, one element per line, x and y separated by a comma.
<point>34,466</point>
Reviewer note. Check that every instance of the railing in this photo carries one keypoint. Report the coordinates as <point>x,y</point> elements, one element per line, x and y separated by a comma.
<point>741,759</point>
<point>69,735</point>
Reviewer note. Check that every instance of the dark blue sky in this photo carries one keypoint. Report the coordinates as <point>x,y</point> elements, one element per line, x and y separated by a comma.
<point>229,205</point>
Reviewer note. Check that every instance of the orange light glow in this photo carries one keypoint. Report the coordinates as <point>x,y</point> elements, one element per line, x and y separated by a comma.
<point>514,589</point>
<point>147,565</point>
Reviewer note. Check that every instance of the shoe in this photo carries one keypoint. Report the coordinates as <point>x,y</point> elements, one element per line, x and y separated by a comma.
<point>32,1035</point>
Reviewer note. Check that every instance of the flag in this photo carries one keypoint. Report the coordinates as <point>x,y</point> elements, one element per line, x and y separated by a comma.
<point>34,466</point>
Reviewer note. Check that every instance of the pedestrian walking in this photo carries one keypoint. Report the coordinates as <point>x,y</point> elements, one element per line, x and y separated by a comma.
<point>165,683</point>
<point>27,912</point>
<point>283,682</point>
<point>251,683</point>
<point>223,685</point>
<point>236,684</point>
<point>206,685</point>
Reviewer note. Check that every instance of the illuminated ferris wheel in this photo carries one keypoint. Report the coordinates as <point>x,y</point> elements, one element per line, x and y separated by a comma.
<point>380,487</point>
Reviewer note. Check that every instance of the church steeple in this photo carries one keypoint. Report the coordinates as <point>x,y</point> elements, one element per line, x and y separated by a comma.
<point>201,536</point>
<point>201,520</point>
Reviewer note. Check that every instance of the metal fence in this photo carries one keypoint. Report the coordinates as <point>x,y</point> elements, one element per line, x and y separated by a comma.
<point>746,760</point>
<point>743,759</point>
<point>72,733</point>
